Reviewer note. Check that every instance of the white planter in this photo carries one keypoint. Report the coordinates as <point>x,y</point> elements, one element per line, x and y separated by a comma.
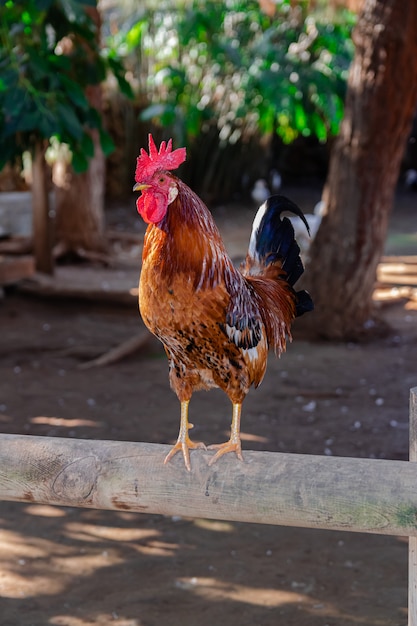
<point>16,213</point>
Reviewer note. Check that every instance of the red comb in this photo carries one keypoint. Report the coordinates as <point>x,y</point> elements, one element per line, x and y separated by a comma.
<point>164,159</point>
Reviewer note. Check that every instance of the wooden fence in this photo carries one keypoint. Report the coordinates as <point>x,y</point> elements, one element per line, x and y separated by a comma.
<point>334,493</point>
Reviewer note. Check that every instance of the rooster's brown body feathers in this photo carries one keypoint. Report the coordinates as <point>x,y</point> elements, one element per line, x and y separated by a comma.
<point>215,323</point>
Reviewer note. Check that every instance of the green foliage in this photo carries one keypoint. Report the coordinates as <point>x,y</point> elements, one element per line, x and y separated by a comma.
<point>49,56</point>
<point>228,63</point>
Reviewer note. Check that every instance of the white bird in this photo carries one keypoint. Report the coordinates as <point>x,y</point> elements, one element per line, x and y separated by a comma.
<point>260,192</point>
<point>275,180</point>
<point>411,179</point>
<point>314,221</point>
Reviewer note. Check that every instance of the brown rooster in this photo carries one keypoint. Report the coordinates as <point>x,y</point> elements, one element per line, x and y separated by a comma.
<point>216,323</point>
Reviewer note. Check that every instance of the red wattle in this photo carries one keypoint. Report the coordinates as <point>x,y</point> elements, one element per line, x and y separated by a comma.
<point>151,206</point>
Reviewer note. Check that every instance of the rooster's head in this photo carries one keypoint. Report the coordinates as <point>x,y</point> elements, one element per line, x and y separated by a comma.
<point>153,179</point>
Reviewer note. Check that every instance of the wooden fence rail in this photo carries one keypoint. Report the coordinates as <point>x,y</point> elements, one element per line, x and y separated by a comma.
<point>334,493</point>
<point>364,495</point>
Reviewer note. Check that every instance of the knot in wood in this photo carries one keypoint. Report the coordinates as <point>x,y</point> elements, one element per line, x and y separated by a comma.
<point>77,480</point>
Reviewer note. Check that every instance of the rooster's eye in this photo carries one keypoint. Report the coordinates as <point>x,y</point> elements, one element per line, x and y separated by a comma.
<point>162,179</point>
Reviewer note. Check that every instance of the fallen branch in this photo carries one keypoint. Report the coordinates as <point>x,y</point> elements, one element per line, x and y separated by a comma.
<point>128,347</point>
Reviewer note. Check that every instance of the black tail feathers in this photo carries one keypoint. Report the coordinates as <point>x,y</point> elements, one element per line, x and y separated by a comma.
<point>304,303</point>
<point>273,240</point>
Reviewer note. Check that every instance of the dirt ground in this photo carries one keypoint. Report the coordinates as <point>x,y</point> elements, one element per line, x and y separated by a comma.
<point>73,567</point>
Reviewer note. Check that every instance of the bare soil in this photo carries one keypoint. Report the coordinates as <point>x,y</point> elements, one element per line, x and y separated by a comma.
<point>73,567</point>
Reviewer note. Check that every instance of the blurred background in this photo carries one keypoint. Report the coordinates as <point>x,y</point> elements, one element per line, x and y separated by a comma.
<point>249,87</point>
<point>314,99</point>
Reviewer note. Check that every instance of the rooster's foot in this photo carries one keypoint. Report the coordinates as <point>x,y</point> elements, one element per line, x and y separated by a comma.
<point>184,446</point>
<point>233,445</point>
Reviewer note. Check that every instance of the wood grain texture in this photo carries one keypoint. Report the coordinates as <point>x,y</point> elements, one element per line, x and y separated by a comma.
<point>412,542</point>
<point>361,495</point>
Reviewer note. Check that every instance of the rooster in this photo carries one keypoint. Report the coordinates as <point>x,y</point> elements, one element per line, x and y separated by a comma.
<point>215,322</point>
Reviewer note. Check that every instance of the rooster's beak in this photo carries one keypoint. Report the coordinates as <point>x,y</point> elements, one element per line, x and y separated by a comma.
<point>140,187</point>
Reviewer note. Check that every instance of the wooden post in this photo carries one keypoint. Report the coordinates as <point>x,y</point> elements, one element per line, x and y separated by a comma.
<point>412,541</point>
<point>272,488</point>
<point>42,222</point>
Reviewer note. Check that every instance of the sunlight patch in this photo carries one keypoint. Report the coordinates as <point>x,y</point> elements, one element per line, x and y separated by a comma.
<point>99,620</point>
<point>214,525</point>
<point>61,421</point>
<point>45,510</point>
<point>92,532</point>
<point>216,590</point>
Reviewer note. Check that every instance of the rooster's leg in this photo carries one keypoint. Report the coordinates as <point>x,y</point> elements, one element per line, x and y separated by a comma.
<point>233,445</point>
<point>184,443</point>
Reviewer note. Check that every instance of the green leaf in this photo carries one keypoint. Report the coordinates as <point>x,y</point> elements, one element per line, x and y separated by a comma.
<point>22,123</point>
<point>93,118</point>
<point>87,145</point>
<point>14,101</point>
<point>26,18</point>
<point>125,87</point>
<point>47,124</point>
<point>134,35</point>
<point>319,127</point>
<point>69,121</point>
<point>106,142</point>
<point>79,162</point>
<point>39,67</point>
<point>10,77</point>
<point>74,92</point>
<point>300,117</point>
<point>119,72</point>
<point>60,62</point>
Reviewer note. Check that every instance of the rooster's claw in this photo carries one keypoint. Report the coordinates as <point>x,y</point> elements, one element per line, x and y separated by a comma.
<point>184,447</point>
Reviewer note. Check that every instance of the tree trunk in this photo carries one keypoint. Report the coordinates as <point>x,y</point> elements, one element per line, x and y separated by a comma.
<point>80,224</point>
<point>364,168</point>
<point>42,221</point>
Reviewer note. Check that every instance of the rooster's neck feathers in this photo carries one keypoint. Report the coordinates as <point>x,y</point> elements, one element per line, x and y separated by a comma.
<point>189,238</point>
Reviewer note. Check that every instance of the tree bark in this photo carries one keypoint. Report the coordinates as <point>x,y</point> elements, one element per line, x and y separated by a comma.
<point>42,221</point>
<point>80,223</point>
<point>364,168</point>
